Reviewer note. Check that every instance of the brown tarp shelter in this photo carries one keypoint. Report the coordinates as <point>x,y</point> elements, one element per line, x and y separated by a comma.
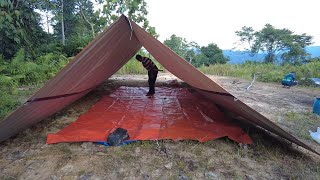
<point>103,57</point>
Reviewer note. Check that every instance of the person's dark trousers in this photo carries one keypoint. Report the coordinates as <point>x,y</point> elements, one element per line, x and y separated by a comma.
<point>152,77</point>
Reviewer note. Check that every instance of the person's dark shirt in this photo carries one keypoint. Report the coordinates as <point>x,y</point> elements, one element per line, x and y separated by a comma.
<point>148,64</point>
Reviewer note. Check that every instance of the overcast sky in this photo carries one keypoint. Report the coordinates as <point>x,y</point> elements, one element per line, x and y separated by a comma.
<point>215,21</point>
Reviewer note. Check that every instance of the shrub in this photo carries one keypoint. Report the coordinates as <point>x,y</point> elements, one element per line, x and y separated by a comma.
<point>268,72</point>
<point>20,71</point>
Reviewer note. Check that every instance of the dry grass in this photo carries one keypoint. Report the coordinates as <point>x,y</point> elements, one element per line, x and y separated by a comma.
<point>268,72</point>
<point>268,158</point>
<point>302,123</point>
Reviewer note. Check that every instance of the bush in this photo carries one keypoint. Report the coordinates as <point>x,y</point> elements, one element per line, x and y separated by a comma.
<point>268,72</point>
<point>76,43</point>
<point>51,63</point>
<point>8,102</point>
<point>20,71</point>
<point>54,47</point>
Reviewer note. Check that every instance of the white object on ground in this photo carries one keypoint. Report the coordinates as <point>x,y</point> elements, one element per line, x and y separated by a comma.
<point>168,166</point>
<point>315,135</point>
<point>254,78</point>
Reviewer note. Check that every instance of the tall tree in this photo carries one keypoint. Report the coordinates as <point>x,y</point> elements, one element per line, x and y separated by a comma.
<point>134,9</point>
<point>296,53</point>
<point>46,7</point>
<point>183,48</point>
<point>75,23</point>
<point>247,36</point>
<point>273,41</point>
<point>177,44</point>
<point>190,56</point>
<point>64,20</point>
<point>213,54</point>
<point>19,26</point>
<point>62,23</point>
<point>85,8</point>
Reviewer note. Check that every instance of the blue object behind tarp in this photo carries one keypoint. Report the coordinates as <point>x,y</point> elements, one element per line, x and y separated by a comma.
<point>316,81</point>
<point>123,143</point>
<point>289,80</point>
<point>290,77</point>
<point>316,106</point>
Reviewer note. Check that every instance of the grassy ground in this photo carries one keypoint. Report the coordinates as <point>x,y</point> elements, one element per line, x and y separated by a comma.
<point>267,72</point>
<point>303,122</point>
<point>26,156</point>
<point>17,96</point>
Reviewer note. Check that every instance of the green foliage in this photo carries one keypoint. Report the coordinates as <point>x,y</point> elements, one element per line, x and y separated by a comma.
<point>64,19</point>
<point>133,67</point>
<point>136,10</point>
<point>76,43</point>
<point>7,102</point>
<point>19,27</point>
<point>52,47</point>
<point>177,44</point>
<point>89,17</point>
<point>200,60</point>
<point>51,64</point>
<point>296,55</point>
<point>268,72</point>
<point>20,71</point>
<point>212,55</point>
<point>273,41</point>
<point>77,21</point>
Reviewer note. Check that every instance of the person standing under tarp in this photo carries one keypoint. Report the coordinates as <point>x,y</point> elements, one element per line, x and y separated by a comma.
<point>152,72</point>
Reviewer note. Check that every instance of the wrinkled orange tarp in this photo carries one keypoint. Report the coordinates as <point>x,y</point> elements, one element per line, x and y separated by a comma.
<point>173,113</point>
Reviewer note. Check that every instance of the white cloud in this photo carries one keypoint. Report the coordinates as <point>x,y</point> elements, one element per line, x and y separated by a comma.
<point>209,21</point>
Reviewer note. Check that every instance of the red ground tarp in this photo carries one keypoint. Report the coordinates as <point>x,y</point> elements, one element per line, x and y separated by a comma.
<point>173,113</point>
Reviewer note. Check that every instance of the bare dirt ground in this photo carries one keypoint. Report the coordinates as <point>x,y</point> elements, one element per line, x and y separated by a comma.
<point>27,156</point>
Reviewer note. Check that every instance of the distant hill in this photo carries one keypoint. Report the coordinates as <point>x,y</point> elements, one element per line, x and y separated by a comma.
<point>313,50</point>
<point>239,57</point>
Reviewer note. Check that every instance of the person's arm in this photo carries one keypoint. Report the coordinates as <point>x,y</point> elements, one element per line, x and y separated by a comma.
<point>156,68</point>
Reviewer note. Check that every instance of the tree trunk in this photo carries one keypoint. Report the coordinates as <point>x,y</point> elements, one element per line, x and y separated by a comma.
<point>17,4</point>
<point>190,60</point>
<point>85,18</point>
<point>92,29</point>
<point>62,25</point>
<point>47,16</point>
